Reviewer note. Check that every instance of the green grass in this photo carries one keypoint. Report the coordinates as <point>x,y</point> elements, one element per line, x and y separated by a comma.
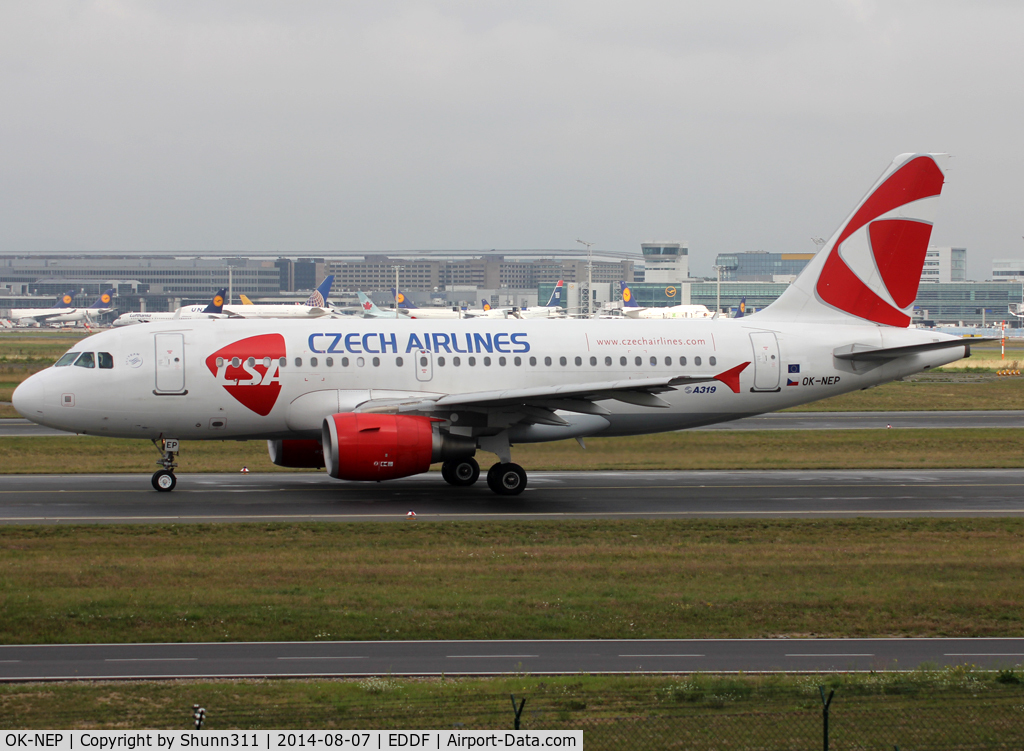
<point>497,580</point>
<point>972,394</point>
<point>955,708</point>
<point>769,449</point>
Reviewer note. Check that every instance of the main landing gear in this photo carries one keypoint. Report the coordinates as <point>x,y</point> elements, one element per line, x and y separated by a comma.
<point>504,478</point>
<point>164,479</point>
<point>461,472</point>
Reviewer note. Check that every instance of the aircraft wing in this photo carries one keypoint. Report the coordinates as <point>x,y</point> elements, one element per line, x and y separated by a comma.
<point>44,316</point>
<point>538,404</point>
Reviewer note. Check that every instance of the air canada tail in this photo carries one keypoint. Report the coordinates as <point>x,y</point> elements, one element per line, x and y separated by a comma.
<point>555,301</point>
<point>217,303</point>
<point>627,296</point>
<point>319,297</point>
<point>400,300</point>
<point>869,270</point>
<point>103,301</point>
<point>66,299</point>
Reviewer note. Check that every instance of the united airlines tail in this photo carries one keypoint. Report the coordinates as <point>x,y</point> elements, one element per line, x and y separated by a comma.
<point>217,303</point>
<point>103,301</point>
<point>870,269</point>
<point>319,297</point>
<point>555,301</point>
<point>400,300</point>
<point>627,296</point>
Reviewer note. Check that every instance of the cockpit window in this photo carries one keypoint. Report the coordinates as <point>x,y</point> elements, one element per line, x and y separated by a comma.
<point>105,359</point>
<point>66,359</point>
<point>85,360</point>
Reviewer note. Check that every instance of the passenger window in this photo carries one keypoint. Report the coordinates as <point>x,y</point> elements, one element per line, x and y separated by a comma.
<point>654,361</point>
<point>487,361</point>
<point>501,361</point>
<point>399,361</point>
<point>282,362</point>
<point>440,361</point>
<point>547,360</point>
<point>85,360</point>
<point>668,360</point>
<point>696,361</point>
<point>622,361</point>
<point>376,362</point>
<point>578,361</point>
<point>66,359</point>
<point>344,362</point>
<point>607,361</point>
<point>472,361</point>
<point>518,361</point>
<point>298,362</point>
<point>456,361</point>
<point>593,361</point>
<point>106,360</point>
<point>712,361</point>
<point>312,362</point>
<point>562,361</point>
<point>682,361</point>
<point>330,362</point>
<point>639,361</point>
<point>533,361</point>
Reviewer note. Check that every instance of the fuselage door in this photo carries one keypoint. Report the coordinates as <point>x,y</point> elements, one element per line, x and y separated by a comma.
<point>170,363</point>
<point>766,361</point>
<point>424,365</point>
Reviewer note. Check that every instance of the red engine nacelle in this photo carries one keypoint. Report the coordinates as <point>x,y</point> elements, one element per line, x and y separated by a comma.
<point>296,453</point>
<point>367,446</point>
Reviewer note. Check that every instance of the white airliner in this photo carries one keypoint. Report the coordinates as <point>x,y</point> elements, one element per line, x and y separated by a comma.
<point>376,400</point>
<point>370,310</point>
<point>316,305</point>
<point>213,309</point>
<point>64,312</point>
<point>403,304</point>
<point>631,309</point>
<point>553,308</point>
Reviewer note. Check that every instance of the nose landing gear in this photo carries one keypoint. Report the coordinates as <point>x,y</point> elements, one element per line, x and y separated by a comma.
<point>164,479</point>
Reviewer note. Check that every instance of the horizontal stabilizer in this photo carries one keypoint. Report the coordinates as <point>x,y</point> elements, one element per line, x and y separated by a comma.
<point>869,353</point>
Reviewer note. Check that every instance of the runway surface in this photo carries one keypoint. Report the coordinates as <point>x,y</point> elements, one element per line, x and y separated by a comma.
<point>31,499</point>
<point>774,421</point>
<point>294,659</point>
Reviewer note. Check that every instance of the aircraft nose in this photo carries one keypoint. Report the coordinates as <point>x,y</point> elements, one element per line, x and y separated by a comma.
<point>28,397</point>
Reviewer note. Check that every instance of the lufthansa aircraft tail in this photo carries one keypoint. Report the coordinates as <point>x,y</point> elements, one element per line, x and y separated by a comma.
<point>868,272</point>
<point>627,296</point>
<point>217,303</point>
<point>742,309</point>
<point>103,301</point>
<point>66,299</point>
<point>319,297</point>
<point>400,300</point>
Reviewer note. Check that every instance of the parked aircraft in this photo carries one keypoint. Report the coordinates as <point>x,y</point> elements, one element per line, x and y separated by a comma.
<point>316,305</point>
<point>630,309</point>
<point>401,303</point>
<point>553,308</point>
<point>370,310</point>
<point>63,312</point>
<point>376,400</point>
<point>214,309</point>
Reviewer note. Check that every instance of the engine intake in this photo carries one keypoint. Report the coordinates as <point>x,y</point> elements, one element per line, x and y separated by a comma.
<point>367,446</point>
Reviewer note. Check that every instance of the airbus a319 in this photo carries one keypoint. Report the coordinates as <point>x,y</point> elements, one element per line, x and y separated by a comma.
<point>376,399</point>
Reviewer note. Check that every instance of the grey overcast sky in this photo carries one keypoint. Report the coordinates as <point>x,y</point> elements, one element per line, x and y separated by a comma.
<point>312,126</point>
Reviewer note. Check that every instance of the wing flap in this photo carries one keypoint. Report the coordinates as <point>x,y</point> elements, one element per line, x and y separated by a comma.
<point>870,353</point>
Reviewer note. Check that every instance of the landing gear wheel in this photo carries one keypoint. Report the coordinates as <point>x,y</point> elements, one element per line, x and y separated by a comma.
<point>461,473</point>
<point>164,480</point>
<point>506,479</point>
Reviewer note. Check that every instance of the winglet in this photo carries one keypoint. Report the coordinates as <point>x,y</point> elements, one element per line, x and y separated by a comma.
<point>731,377</point>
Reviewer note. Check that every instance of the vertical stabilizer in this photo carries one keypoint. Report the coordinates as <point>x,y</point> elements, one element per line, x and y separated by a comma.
<point>319,297</point>
<point>869,270</point>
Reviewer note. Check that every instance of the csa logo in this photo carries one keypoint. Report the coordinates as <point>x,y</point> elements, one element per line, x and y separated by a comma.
<point>249,370</point>
<point>134,360</point>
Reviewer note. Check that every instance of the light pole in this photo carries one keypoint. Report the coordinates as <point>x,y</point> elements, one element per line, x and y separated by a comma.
<point>590,271</point>
<point>718,289</point>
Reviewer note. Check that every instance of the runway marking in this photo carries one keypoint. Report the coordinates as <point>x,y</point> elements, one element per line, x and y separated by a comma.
<point>9,661</point>
<point>984,654</point>
<point>327,657</point>
<point>151,659</point>
<point>662,655</point>
<point>481,657</point>
<point>830,655</point>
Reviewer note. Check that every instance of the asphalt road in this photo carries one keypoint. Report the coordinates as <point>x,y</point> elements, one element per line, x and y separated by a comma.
<point>773,421</point>
<point>32,499</point>
<point>291,659</point>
